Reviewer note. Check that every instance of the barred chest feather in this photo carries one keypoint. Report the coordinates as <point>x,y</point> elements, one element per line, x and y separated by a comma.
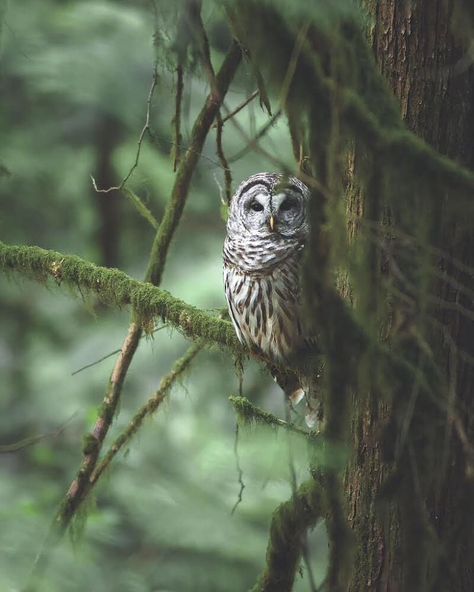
<point>262,291</point>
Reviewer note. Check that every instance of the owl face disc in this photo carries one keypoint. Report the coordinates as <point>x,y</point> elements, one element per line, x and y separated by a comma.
<point>269,204</point>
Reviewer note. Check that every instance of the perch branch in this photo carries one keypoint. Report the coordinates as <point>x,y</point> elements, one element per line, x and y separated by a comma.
<point>248,414</point>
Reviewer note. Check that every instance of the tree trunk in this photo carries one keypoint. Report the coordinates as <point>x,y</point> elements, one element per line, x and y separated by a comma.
<point>421,51</point>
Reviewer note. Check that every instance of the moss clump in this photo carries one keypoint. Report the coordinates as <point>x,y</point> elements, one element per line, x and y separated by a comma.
<point>90,444</point>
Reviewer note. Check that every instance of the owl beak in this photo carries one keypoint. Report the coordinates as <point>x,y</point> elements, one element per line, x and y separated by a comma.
<point>271,223</point>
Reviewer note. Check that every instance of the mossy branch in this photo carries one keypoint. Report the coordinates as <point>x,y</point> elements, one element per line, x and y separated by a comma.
<point>117,289</point>
<point>249,414</point>
<point>290,522</point>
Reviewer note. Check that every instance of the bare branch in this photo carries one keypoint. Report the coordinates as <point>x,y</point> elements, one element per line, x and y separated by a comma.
<point>234,112</point>
<point>177,116</point>
<point>223,159</point>
<point>240,473</point>
<point>143,133</point>
<point>30,441</point>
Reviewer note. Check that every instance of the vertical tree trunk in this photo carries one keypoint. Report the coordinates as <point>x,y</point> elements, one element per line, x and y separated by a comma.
<point>421,51</point>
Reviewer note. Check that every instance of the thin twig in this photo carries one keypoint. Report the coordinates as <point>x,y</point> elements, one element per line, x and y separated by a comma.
<point>251,142</point>
<point>107,356</point>
<point>145,130</point>
<point>205,51</point>
<point>234,112</point>
<point>177,116</point>
<point>188,164</point>
<point>31,440</point>
<point>240,473</point>
<point>223,159</point>
<point>102,359</point>
<point>159,139</point>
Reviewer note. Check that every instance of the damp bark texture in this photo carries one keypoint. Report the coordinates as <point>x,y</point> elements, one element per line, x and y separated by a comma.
<point>415,533</point>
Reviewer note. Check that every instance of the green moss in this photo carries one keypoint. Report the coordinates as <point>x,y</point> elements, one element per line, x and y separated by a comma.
<point>90,444</point>
<point>290,522</point>
<point>117,289</point>
<point>249,414</point>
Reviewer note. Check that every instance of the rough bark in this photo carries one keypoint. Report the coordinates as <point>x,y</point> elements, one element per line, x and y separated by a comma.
<point>421,51</point>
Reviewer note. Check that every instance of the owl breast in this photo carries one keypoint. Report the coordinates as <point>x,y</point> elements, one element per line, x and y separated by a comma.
<point>264,301</point>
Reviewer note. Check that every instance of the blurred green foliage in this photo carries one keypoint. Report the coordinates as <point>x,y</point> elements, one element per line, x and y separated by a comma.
<point>74,79</point>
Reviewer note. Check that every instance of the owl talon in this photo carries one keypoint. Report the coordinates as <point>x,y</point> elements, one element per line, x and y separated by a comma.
<point>296,396</point>
<point>311,418</point>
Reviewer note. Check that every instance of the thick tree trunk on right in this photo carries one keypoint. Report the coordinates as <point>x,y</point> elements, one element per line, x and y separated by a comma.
<point>422,54</point>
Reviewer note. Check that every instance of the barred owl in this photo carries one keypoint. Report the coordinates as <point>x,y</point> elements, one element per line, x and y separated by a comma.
<point>266,233</point>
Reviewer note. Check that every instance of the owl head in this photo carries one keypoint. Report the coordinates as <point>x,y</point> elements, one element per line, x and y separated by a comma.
<point>269,205</point>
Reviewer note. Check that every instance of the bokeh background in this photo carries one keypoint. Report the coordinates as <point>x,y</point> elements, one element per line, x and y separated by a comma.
<point>74,79</point>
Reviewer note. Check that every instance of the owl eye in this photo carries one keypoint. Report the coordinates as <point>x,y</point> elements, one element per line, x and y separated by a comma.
<point>256,206</point>
<point>288,204</point>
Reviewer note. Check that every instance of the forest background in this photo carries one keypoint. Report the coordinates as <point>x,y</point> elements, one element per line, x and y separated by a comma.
<point>75,78</point>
